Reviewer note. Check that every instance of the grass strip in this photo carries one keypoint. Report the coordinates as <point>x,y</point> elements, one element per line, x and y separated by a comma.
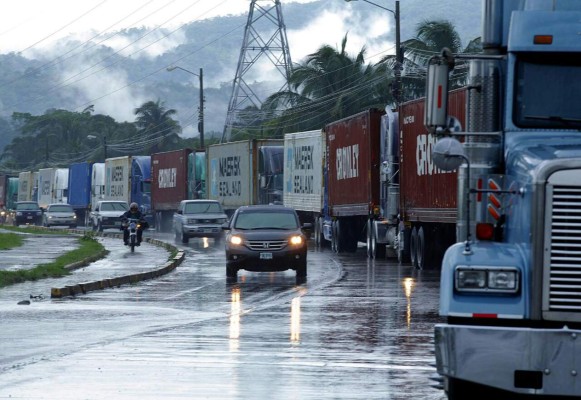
<point>35,230</point>
<point>89,247</point>
<point>10,241</point>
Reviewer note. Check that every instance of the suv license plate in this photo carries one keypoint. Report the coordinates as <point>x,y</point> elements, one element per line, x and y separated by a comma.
<point>266,256</point>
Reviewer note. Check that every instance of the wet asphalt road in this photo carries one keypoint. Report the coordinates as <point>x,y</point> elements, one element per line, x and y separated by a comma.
<point>355,329</point>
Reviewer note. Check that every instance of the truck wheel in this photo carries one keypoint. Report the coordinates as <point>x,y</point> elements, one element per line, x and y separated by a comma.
<point>377,249</point>
<point>421,249</point>
<point>185,238</point>
<point>369,238</point>
<point>414,247</point>
<point>337,237</point>
<point>318,232</point>
<point>99,226</point>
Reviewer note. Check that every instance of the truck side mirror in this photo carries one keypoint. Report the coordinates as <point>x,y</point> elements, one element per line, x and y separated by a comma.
<point>448,154</point>
<point>436,108</point>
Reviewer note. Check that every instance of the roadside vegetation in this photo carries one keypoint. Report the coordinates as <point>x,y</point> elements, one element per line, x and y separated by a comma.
<point>89,247</point>
<point>10,241</point>
<point>35,230</point>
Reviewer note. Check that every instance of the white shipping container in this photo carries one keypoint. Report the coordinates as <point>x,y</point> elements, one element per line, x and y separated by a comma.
<point>118,178</point>
<point>25,185</point>
<point>60,186</point>
<point>232,172</point>
<point>303,170</point>
<point>46,180</point>
<point>97,183</point>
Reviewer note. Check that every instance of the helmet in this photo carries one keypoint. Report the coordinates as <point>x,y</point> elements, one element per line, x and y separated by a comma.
<point>133,206</point>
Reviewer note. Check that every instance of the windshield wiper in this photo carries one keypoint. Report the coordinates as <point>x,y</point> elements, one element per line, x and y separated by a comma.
<point>552,118</point>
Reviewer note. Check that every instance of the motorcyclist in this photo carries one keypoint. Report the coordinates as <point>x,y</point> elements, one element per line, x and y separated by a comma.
<point>134,213</point>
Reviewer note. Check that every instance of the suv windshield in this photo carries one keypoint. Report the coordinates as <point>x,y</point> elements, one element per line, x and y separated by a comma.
<point>114,207</point>
<point>265,220</point>
<point>60,208</point>
<point>201,208</point>
<point>27,206</point>
<point>542,105</point>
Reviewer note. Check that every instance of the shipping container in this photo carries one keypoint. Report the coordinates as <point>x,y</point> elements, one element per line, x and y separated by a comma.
<point>46,179</point>
<point>4,190</point>
<point>427,194</point>
<point>245,172</point>
<point>169,173</point>
<point>303,173</point>
<point>197,175</point>
<point>80,189</point>
<point>352,160</point>
<point>97,183</point>
<point>25,185</point>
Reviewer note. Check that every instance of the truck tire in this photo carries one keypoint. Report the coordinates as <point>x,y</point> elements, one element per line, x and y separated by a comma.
<point>334,239</point>
<point>318,232</point>
<point>99,227</point>
<point>185,238</point>
<point>377,249</point>
<point>414,247</point>
<point>421,249</point>
<point>369,235</point>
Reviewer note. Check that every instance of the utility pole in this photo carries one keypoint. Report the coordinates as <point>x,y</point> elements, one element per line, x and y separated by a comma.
<point>201,107</point>
<point>398,52</point>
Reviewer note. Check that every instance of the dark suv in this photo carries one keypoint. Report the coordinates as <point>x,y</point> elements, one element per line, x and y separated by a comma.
<point>27,212</point>
<point>265,238</point>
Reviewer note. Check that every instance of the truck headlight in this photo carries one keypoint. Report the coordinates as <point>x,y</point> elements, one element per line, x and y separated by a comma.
<point>487,279</point>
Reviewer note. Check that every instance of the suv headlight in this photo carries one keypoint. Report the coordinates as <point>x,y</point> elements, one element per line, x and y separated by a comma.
<point>235,240</point>
<point>296,240</point>
<point>487,279</point>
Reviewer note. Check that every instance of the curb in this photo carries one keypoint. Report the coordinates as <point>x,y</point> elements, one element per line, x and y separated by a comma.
<point>83,288</point>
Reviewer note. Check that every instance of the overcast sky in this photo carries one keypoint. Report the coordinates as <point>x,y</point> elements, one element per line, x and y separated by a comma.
<point>26,23</point>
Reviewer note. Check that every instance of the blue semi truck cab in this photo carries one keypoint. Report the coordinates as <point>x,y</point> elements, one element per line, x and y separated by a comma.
<point>511,287</point>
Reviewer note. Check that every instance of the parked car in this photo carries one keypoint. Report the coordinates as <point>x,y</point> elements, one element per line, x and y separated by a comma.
<point>107,214</point>
<point>27,212</point>
<point>59,214</point>
<point>265,238</point>
<point>198,218</point>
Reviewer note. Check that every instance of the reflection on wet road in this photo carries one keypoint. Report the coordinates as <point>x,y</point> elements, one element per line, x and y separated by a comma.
<point>356,329</point>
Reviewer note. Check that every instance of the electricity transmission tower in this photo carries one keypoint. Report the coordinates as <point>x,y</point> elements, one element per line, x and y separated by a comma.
<point>264,16</point>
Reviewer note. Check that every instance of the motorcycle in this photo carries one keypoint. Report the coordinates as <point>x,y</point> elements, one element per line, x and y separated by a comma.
<point>132,225</point>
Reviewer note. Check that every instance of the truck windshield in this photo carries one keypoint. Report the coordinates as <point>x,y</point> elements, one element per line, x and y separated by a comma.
<point>548,91</point>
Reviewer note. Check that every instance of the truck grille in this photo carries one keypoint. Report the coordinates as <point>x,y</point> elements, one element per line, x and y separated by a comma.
<point>565,253</point>
<point>266,245</point>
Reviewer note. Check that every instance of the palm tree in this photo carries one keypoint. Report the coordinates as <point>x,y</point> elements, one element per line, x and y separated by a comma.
<point>156,126</point>
<point>329,85</point>
<point>431,38</point>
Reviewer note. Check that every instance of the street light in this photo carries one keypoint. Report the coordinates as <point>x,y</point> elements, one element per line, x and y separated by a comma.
<point>398,55</point>
<point>201,110</point>
<point>104,144</point>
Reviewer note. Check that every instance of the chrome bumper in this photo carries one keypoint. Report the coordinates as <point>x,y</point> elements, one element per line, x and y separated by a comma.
<point>496,356</point>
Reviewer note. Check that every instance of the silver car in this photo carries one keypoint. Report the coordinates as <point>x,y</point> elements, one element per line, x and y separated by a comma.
<point>198,218</point>
<point>107,214</point>
<point>59,214</point>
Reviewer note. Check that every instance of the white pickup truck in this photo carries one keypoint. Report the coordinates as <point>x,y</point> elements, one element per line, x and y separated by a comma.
<point>198,218</point>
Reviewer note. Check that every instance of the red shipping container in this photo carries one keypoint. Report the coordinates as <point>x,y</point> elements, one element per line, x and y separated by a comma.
<point>427,194</point>
<point>353,160</point>
<point>169,186</point>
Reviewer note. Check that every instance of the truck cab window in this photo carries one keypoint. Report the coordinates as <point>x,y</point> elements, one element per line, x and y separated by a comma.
<point>547,92</point>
